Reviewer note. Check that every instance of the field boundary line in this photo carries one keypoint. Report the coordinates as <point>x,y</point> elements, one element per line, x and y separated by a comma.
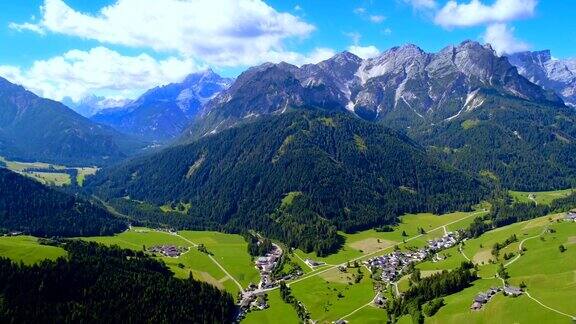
<point>548,307</point>
<point>210,256</point>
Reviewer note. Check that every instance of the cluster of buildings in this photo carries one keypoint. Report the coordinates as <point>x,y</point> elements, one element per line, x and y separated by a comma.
<point>393,264</point>
<point>266,264</point>
<point>571,216</point>
<point>172,251</point>
<point>253,297</point>
<point>483,298</point>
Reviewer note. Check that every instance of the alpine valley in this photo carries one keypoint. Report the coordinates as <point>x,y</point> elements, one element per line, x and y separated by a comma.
<point>401,187</point>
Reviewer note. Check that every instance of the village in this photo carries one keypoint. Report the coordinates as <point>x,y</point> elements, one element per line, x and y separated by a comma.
<point>254,297</point>
<point>171,251</point>
<point>394,264</point>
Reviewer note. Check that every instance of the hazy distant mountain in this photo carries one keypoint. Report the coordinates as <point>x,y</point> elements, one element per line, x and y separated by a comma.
<point>35,128</point>
<point>554,74</point>
<point>91,105</point>
<point>163,112</point>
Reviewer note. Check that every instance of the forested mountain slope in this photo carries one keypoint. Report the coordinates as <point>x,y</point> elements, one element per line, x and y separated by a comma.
<point>524,145</point>
<point>465,103</point>
<point>296,177</point>
<point>34,128</point>
<point>30,207</point>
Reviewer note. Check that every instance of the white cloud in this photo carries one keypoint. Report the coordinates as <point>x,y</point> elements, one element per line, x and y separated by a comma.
<point>364,52</point>
<point>422,4</point>
<point>377,19</point>
<point>78,73</point>
<point>221,32</point>
<point>502,39</point>
<point>359,10</point>
<point>474,13</point>
<point>27,27</point>
<point>387,31</point>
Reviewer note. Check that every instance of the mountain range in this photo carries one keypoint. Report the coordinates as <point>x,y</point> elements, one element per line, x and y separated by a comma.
<point>163,112</point>
<point>403,87</point>
<point>38,129</point>
<point>457,103</point>
<point>549,73</point>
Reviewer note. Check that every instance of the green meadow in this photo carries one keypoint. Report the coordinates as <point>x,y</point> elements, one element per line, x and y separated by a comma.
<point>278,313</point>
<point>229,250</point>
<point>26,249</point>
<point>333,294</point>
<point>540,197</point>
<point>50,177</point>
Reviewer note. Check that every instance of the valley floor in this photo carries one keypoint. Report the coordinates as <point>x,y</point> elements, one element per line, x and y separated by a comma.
<point>330,294</point>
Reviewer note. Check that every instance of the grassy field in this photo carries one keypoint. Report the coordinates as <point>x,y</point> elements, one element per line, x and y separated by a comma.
<point>228,249</point>
<point>549,274</point>
<point>52,178</point>
<point>333,294</point>
<point>368,315</point>
<point>27,250</point>
<point>278,313</point>
<point>83,173</point>
<point>231,251</point>
<point>540,197</point>
<point>365,243</point>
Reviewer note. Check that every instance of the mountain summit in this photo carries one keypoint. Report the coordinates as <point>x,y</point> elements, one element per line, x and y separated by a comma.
<point>553,74</point>
<point>162,112</point>
<point>402,87</point>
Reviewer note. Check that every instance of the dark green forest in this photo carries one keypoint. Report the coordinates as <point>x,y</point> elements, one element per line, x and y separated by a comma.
<point>345,173</point>
<point>430,288</point>
<point>524,145</point>
<point>98,284</point>
<point>30,207</point>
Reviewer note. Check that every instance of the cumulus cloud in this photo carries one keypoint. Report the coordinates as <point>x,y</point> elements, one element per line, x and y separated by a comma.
<point>475,13</point>
<point>502,39</point>
<point>76,73</point>
<point>364,52</point>
<point>222,32</point>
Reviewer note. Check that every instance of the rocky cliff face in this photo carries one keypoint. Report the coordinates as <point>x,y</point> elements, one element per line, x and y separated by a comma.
<point>557,75</point>
<point>403,87</point>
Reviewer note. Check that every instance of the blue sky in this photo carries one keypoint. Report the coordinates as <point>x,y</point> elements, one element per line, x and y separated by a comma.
<point>120,48</point>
